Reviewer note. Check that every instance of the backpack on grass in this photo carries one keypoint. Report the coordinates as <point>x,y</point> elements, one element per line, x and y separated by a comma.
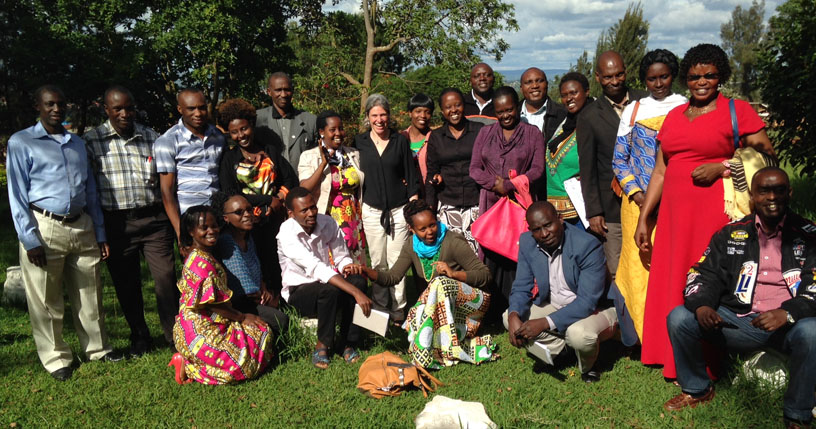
<point>386,374</point>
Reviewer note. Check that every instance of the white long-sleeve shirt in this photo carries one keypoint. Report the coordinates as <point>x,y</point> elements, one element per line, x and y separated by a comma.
<point>304,258</point>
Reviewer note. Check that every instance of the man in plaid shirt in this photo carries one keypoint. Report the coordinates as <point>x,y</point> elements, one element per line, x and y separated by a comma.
<point>121,153</point>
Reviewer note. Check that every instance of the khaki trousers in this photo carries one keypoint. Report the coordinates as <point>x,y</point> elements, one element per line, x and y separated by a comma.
<point>584,336</point>
<point>384,250</point>
<point>73,260</point>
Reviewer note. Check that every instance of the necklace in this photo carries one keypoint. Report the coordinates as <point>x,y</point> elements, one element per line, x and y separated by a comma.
<point>252,157</point>
<point>377,140</point>
<point>703,110</point>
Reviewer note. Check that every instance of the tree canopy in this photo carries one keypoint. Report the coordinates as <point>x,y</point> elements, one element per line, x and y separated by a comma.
<point>741,37</point>
<point>786,65</point>
<point>152,46</point>
<point>450,32</point>
<point>628,37</point>
<point>228,48</point>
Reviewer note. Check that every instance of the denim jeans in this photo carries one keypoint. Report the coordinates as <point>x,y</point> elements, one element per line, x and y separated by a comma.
<point>798,341</point>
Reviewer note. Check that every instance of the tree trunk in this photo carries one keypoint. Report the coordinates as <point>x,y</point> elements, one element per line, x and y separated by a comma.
<point>368,17</point>
<point>215,90</point>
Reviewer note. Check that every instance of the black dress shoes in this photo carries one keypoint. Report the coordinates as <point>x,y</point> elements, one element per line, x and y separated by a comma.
<point>591,376</point>
<point>63,374</point>
<point>112,357</point>
<point>140,348</point>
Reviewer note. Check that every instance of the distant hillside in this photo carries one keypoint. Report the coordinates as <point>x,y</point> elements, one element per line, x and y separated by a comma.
<point>515,75</point>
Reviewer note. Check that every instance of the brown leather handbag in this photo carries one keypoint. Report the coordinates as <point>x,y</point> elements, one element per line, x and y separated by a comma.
<point>386,374</point>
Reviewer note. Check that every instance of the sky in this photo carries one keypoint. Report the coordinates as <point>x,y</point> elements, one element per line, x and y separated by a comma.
<point>553,33</point>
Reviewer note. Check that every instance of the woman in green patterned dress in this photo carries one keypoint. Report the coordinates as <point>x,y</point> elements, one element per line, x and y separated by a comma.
<point>562,150</point>
<point>442,324</point>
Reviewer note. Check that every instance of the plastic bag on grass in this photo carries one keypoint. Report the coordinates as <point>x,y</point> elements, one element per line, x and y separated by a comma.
<point>767,367</point>
<point>446,413</point>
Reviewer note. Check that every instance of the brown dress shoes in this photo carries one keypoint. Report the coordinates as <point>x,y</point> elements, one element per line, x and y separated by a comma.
<point>684,400</point>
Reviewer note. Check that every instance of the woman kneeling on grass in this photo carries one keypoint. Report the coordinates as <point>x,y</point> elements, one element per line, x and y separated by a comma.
<point>217,344</point>
<point>442,324</point>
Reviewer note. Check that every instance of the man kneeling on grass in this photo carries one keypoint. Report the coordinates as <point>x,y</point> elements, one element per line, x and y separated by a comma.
<point>560,278</point>
<point>310,275</point>
<point>745,293</point>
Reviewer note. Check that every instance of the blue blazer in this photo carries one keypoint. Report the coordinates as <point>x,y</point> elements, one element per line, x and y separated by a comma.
<point>584,266</point>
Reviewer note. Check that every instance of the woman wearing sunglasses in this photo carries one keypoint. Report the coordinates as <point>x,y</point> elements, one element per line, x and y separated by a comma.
<point>236,251</point>
<point>695,141</point>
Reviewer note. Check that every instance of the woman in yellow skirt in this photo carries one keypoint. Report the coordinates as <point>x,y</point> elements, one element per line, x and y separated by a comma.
<point>633,162</point>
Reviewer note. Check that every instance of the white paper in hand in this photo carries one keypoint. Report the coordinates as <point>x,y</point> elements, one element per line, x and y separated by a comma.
<point>540,351</point>
<point>573,188</point>
<point>376,322</point>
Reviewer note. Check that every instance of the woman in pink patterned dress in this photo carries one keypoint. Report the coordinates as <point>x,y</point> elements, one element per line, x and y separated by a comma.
<point>216,344</point>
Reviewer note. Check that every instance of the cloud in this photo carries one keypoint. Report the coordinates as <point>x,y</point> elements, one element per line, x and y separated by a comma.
<point>553,33</point>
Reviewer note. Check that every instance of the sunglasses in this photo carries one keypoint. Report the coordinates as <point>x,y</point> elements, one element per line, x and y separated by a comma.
<point>707,76</point>
<point>241,212</point>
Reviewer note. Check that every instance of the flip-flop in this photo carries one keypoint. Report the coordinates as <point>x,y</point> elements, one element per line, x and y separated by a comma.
<point>320,361</point>
<point>351,355</point>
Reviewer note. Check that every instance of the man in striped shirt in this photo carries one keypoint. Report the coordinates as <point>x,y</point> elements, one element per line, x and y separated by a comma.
<point>121,153</point>
<point>187,157</point>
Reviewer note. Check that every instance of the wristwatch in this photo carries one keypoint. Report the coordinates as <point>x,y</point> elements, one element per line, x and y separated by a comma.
<point>790,318</point>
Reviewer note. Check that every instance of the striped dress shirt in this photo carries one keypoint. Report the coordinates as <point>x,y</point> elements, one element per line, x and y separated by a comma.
<point>193,160</point>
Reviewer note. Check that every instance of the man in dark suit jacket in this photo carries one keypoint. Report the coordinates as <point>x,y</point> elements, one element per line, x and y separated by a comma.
<point>294,130</point>
<point>539,109</point>
<point>597,130</point>
<point>479,102</point>
<point>560,278</point>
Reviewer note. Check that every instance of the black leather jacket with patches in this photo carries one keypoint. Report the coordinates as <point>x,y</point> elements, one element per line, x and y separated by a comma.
<point>727,271</point>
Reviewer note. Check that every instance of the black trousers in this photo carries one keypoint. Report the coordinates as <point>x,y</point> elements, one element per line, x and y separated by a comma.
<point>153,237</point>
<point>324,301</point>
<point>503,271</point>
<point>277,320</point>
<point>266,244</point>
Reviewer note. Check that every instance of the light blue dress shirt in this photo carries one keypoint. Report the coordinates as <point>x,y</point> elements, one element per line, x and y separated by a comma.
<point>53,173</point>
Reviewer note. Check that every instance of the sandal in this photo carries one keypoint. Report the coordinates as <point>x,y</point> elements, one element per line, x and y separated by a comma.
<point>320,358</point>
<point>351,355</point>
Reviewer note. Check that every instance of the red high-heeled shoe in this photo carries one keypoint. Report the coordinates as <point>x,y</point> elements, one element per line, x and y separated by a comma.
<point>178,361</point>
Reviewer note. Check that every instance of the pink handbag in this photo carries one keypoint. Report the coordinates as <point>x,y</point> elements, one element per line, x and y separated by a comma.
<point>499,228</point>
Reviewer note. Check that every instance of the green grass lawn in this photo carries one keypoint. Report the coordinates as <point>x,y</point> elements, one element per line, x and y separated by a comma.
<point>515,392</point>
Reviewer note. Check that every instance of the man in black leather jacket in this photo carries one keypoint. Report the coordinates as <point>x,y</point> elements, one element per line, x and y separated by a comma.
<point>754,286</point>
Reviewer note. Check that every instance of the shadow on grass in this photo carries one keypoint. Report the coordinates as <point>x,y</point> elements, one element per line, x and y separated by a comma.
<point>10,339</point>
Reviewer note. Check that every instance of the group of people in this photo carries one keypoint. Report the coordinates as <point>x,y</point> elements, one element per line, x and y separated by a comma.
<point>629,231</point>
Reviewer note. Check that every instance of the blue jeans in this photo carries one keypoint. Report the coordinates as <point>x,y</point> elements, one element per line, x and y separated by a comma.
<point>798,341</point>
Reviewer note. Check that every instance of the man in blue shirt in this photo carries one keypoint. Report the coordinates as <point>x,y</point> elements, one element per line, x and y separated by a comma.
<point>56,212</point>
<point>187,157</point>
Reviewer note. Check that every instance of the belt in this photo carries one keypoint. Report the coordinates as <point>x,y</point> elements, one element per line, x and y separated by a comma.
<point>138,212</point>
<point>54,216</point>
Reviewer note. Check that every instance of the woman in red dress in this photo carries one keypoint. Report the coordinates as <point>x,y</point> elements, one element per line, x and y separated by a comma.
<point>695,140</point>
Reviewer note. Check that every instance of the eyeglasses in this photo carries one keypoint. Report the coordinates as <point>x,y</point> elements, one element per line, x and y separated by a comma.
<point>707,76</point>
<point>241,212</point>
